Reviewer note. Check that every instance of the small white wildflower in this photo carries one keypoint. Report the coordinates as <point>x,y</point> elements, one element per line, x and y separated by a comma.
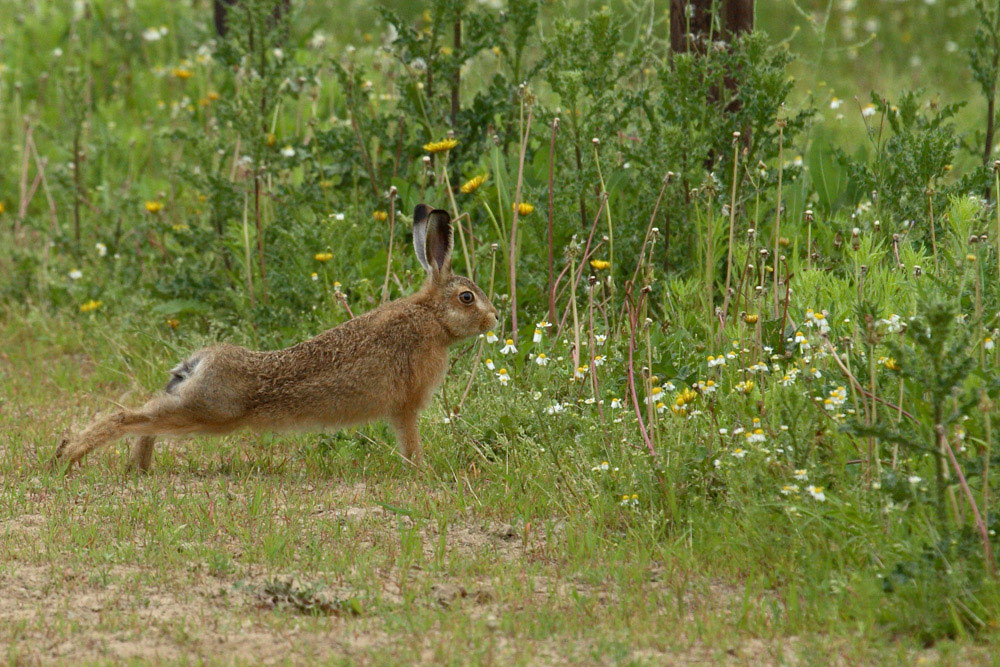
<point>537,338</point>
<point>102,249</point>
<point>491,337</point>
<point>913,479</point>
<point>503,376</point>
<point>541,359</point>
<point>490,365</point>
<point>508,347</point>
<point>816,492</point>
<point>288,151</point>
<point>75,274</point>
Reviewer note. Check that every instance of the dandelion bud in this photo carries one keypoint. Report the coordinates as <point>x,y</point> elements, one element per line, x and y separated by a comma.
<point>895,238</point>
<point>595,141</point>
<point>736,135</point>
<point>809,215</point>
<point>877,225</point>
<point>764,252</point>
<point>392,192</point>
<point>669,177</point>
<point>427,161</point>
<point>996,165</point>
<point>751,232</point>
<point>494,247</point>
<point>838,240</point>
<point>874,196</point>
<point>917,271</point>
<point>983,238</point>
<point>973,239</point>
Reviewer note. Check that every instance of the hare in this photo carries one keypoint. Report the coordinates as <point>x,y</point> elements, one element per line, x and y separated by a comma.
<point>384,364</point>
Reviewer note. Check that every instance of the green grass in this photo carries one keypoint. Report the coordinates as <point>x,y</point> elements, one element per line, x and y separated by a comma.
<point>476,560</point>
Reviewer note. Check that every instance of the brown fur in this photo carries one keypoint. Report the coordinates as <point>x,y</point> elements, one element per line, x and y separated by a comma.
<point>384,364</point>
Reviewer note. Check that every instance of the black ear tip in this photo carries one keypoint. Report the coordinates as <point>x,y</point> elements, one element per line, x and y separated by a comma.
<point>442,216</point>
<point>421,211</point>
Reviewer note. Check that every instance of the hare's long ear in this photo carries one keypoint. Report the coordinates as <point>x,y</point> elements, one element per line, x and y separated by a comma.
<point>439,242</point>
<point>420,214</point>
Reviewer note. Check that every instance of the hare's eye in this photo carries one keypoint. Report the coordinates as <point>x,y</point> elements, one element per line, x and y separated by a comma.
<point>467,297</point>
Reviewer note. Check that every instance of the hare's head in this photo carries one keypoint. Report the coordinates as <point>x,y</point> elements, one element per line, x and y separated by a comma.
<point>460,306</point>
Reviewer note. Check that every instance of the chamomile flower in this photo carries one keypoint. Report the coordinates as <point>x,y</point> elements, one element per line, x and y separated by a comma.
<point>801,474</point>
<point>630,500</point>
<point>598,360</point>
<point>75,274</point>
<point>601,467</point>
<point>490,365</point>
<point>491,337</point>
<point>599,339</point>
<point>288,151</point>
<point>503,377</point>
<point>716,361</point>
<point>789,489</point>
<point>988,343</point>
<point>914,480</point>
<point>739,452</point>
<point>580,372</point>
<point>757,435</point>
<point>616,403</point>
<point>537,338</point>
<point>816,492</point>
<point>102,250</point>
<point>508,347</point>
<point>541,359</point>
<point>555,409</point>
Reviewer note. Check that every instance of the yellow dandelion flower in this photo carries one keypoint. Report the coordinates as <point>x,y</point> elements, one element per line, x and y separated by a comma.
<point>1,207</point>
<point>90,306</point>
<point>271,140</point>
<point>473,184</point>
<point>380,216</point>
<point>173,322</point>
<point>446,50</point>
<point>154,206</point>
<point>181,73</point>
<point>600,264</point>
<point>750,318</point>
<point>891,364</point>
<point>440,146</point>
<point>524,208</point>
<point>212,96</point>
<point>323,256</point>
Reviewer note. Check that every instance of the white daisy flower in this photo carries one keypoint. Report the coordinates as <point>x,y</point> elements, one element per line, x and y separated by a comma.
<point>508,347</point>
<point>816,492</point>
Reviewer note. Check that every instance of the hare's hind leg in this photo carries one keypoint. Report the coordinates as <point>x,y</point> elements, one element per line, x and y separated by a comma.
<point>142,453</point>
<point>162,415</point>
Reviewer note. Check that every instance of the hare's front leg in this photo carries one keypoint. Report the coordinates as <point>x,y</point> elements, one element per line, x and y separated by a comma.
<point>408,436</point>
